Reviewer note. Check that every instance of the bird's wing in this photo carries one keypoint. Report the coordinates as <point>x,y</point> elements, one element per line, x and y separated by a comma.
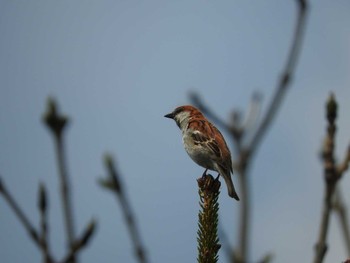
<point>205,134</point>
<point>225,152</point>
<point>210,142</point>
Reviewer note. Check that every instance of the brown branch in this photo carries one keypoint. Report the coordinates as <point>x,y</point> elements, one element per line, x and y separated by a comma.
<point>321,246</point>
<point>33,233</point>
<point>65,192</point>
<point>241,253</point>
<point>249,151</point>
<point>339,205</point>
<point>114,184</point>
<point>331,177</point>
<point>20,214</point>
<point>81,243</point>
<point>252,115</point>
<point>286,76</point>
<point>340,208</point>
<point>42,206</point>
<point>56,124</point>
<point>344,166</point>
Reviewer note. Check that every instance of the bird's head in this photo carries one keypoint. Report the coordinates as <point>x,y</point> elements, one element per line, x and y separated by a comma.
<point>181,115</point>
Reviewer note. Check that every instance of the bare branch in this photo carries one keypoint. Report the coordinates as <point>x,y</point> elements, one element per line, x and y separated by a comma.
<point>20,214</point>
<point>331,178</point>
<point>56,124</point>
<point>42,206</point>
<point>241,253</point>
<point>198,102</point>
<point>81,242</point>
<point>114,184</point>
<point>33,233</point>
<point>340,208</point>
<point>237,130</point>
<point>344,166</point>
<point>286,76</point>
<point>253,112</point>
<point>248,152</point>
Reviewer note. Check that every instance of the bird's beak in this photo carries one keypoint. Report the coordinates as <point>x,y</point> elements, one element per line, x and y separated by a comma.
<point>170,116</point>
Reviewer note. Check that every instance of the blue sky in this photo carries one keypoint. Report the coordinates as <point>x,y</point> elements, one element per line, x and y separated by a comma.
<point>116,67</point>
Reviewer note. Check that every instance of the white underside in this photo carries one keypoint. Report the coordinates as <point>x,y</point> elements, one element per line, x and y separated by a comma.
<point>199,155</point>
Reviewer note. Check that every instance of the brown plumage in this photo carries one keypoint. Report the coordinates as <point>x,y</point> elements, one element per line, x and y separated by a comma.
<point>204,143</point>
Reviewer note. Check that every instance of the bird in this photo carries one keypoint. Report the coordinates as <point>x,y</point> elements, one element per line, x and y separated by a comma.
<point>204,143</point>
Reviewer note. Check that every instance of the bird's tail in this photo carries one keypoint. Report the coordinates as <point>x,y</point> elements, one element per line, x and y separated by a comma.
<point>230,187</point>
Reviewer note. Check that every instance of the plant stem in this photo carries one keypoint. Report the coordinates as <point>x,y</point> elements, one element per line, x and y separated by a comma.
<point>114,184</point>
<point>321,246</point>
<point>340,209</point>
<point>21,216</point>
<point>65,192</point>
<point>244,224</point>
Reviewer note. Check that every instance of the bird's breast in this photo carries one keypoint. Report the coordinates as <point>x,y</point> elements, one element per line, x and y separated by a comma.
<point>198,153</point>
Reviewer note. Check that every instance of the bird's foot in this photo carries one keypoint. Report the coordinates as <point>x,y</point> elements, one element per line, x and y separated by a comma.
<point>205,173</point>
<point>217,177</point>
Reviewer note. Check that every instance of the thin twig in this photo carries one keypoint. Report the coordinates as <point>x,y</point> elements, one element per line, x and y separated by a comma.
<point>340,208</point>
<point>344,166</point>
<point>114,184</point>
<point>272,110</point>
<point>253,113</point>
<point>65,191</point>
<point>241,253</point>
<point>56,124</point>
<point>33,233</point>
<point>234,127</point>
<point>198,102</point>
<point>245,153</point>
<point>42,206</point>
<point>331,178</point>
<point>20,214</point>
<point>81,242</point>
<point>286,76</point>
<point>321,246</point>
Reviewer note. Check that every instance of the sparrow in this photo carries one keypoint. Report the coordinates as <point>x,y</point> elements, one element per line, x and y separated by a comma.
<point>204,143</point>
